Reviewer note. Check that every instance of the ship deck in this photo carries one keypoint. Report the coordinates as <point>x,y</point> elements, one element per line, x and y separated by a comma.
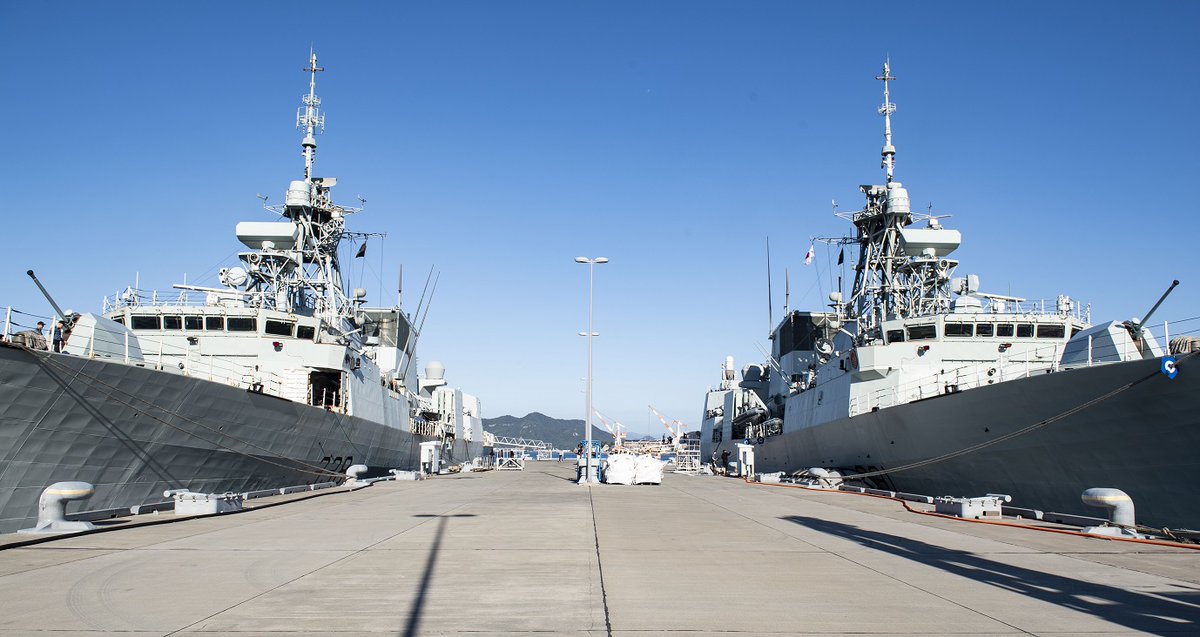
<point>522,552</point>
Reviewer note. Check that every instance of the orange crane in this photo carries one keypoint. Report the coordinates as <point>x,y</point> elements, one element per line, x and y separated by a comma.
<point>616,432</point>
<point>676,434</point>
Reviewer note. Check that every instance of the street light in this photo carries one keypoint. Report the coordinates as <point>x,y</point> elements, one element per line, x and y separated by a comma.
<point>588,476</point>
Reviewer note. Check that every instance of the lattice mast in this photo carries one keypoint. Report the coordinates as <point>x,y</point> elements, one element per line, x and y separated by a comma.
<point>889,283</point>
<point>308,277</point>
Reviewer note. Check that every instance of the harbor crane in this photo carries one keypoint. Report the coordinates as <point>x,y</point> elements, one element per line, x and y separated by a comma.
<point>618,437</point>
<point>676,434</point>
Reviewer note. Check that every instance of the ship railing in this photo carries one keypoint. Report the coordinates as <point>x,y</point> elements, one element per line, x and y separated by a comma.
<point>1036,360</point>
<point>177,359</point>
<point>17,321</point>
<point>131,298</point>
<point>422,427</point>
<point>330,400</point>
<point>1065,307</point>
<point>1039,360</point>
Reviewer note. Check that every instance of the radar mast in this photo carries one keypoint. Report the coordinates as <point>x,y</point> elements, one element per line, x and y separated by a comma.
<point>889,151</point>
<point>309,117</point>
<point>297,269</point>
<point>894,279</point>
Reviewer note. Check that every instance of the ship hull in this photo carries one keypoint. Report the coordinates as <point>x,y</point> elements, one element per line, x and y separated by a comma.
<point>1144,440</point>
<point>135,432</point>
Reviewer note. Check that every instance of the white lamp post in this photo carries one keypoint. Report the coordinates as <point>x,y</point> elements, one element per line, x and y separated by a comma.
<point>589,477</point>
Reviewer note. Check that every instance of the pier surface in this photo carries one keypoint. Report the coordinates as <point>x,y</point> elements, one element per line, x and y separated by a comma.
<point>523,552</point>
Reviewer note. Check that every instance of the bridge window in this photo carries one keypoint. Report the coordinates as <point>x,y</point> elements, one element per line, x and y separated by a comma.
<point>1004,329</point>
<point>922,332</point>
<point>242,324</point>
<point>306,332</point>
<point>1050,331</point>
<point>215,323</point>
<point>193,322</point>
<point>279,328</point>
<point>172,322</point>
<point>1024,330</point>
<point>146,323</point>
<point>984,329</point>
<point>960,329</point>
<point>895,336</point>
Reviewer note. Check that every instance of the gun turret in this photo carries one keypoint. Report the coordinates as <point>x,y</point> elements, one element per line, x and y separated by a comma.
<point>68,321</point>
<point>1137,328</point>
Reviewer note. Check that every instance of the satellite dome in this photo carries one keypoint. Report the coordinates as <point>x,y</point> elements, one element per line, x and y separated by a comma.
<point>234,277</point>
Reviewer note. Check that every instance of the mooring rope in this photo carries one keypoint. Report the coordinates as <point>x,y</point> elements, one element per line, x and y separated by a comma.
<point>1013,434</point>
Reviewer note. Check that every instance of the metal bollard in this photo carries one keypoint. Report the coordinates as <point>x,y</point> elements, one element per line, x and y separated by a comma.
<point>52,508</point>
<point>1121,511</point>
<point>1118,502</point>
<point>352,474</point>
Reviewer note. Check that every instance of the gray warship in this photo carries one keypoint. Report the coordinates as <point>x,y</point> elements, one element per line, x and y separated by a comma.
<point>921,382</point>
<point>282,376</point>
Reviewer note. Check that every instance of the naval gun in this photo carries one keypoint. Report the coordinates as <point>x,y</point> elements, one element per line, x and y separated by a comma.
<point>1136,328</point>
<point>68,321</point>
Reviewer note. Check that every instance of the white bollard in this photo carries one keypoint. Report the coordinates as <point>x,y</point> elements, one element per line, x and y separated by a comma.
<point>353,472</point>
<point>52,508</point>
<point>1119,504</point>
<point>1120,511</point>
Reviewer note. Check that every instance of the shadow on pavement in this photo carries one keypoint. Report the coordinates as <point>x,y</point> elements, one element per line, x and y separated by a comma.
<point>413,627</point>
<point>1152,612</point>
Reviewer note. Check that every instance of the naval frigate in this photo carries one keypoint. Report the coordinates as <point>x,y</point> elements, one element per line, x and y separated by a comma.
<point>281,376</point>
<point>921,382</point>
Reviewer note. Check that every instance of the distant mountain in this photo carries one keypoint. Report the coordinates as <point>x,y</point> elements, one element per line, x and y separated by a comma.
<point>561,434</point>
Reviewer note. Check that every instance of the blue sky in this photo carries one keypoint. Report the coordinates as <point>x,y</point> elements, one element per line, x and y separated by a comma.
<point>498,141</point>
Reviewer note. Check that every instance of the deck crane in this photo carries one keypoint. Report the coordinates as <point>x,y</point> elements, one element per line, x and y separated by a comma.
<point>676,434</point>
<point>615,431</point>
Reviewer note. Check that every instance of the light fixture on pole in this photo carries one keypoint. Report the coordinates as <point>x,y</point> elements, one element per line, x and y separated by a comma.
<point>589,475</point>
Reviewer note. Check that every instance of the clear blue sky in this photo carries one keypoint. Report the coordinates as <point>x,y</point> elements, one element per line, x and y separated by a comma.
<point>500,140</point>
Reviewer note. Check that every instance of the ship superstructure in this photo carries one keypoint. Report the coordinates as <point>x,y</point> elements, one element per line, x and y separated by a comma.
<point>282,375</point>
<point>285,322</point>
<point>917,378</point>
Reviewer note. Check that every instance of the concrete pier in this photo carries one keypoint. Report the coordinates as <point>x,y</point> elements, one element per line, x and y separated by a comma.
<point>504,553</point>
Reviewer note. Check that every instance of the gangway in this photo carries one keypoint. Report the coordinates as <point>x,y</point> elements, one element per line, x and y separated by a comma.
<point>687,456</point>
<point>519,443</point>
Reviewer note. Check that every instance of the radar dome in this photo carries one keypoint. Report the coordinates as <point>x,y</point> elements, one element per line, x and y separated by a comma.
<point>435,371</point>
<point>233,277</point>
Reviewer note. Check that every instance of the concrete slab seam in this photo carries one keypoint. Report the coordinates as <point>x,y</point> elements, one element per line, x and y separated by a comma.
<point>600,565</point>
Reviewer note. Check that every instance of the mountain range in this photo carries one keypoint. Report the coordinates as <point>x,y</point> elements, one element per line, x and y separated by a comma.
<point>560,433</point>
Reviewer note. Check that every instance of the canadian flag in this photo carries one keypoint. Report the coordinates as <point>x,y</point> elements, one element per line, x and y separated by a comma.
<point>809,255</point>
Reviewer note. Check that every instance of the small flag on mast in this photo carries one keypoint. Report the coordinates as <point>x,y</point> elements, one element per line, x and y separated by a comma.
<point>808,257</point>
<point>362,251</point>
<point>841,256</point>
